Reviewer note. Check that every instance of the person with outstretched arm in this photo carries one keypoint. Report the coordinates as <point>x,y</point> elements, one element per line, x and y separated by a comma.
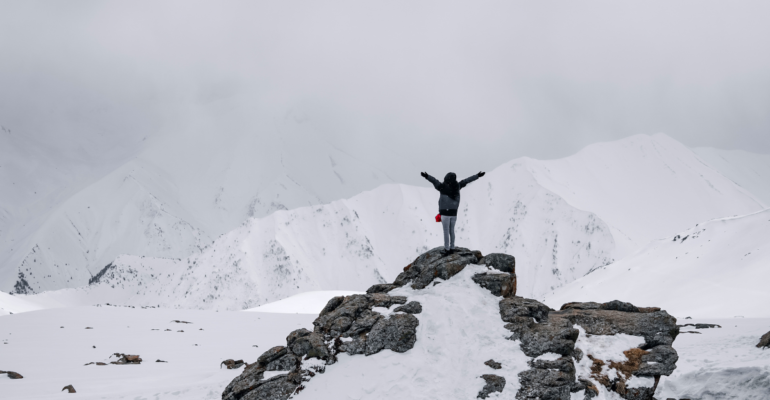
<point>448,203</point>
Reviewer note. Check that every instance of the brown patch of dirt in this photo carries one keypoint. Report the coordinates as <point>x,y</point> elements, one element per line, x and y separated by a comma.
<point>627,368</point>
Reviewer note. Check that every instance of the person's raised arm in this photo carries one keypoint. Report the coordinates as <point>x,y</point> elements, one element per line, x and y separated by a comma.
<point>471,179</point>
<point>431,179</point>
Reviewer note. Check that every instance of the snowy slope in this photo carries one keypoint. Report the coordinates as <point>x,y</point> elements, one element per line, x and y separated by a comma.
<point>170,200</point>
<point>750,170</point>
<point>170,204</point>
<point>644,188</point>
<point>715,269</point>
<point>352,244</point>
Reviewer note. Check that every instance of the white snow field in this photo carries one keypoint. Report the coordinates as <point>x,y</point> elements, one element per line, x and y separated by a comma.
<point>716,269</point>
<point>50,347</point>
<point>720,363</point>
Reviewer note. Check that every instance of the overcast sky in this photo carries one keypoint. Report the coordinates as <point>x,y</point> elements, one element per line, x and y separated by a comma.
<point>442,83</point>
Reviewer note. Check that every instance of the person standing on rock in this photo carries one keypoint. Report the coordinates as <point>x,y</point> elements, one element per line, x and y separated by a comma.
<point>448,203</point>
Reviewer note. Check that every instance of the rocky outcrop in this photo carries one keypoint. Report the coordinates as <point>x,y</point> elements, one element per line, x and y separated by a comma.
<point>542,331</point>
<point>69,389</point>
<point>351,324</point>
<point>499,261</point>
<point>346,324</point>
<point>433,264</point>
<point>500,284</point>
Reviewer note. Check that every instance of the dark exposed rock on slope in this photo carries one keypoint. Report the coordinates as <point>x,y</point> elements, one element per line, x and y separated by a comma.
<point>543,331</point>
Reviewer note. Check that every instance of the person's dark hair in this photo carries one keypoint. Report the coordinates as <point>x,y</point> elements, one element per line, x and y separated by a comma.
<point>451,186</point>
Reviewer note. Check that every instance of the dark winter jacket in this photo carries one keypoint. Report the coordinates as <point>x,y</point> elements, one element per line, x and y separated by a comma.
<point>449,201</point>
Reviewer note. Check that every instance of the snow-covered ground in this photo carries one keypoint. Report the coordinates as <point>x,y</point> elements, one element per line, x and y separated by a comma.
<point>460,328</point>
<point>720,363</point>
<point>715,269</point>
<point>50,347</point>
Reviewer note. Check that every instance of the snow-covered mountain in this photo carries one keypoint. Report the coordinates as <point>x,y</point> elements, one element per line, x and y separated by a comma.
<point>644,188</point>
<point>168,201</point>
<point>716,269</point>
<point>749,170</point>
<point>351,244</point>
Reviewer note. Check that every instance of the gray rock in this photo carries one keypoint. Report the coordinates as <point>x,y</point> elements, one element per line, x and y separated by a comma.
<point>311,346</point>
<point>493,364</point>
<point>513,307</point>
<point>363,323</point>
<point>250,378</point>
<point>590,390</point>
<point>494,383</point>
<point>550,337</point>
<point>381,288</point>
<point>351,307</point>
<point>581,306</point>
<point>500,262</point>
<point>661,360</point>
<point>413,307</point>
<point>384,300</point>
<point>500,284</point>
<point>639,394</point>
<point>608,322</point>
<point>272,354</point>
<point>355,346</point>
<point>279,387</point>
<point>544,384</point>
<point>764,341</point>
<point>332,305</point>
<point>286,363</point>
<point>302,332</point>
<point>432,264</point>
<point>397,333</point>
<point>548,380</point>
<point>618,305</point>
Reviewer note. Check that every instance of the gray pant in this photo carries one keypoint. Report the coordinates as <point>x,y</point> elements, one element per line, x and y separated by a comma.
<point>449,231</point>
